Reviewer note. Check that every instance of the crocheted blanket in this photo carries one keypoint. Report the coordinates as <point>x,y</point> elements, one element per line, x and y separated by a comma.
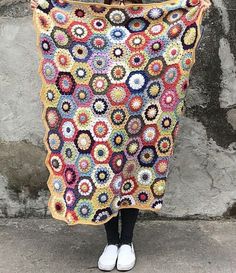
<point>114,81</point>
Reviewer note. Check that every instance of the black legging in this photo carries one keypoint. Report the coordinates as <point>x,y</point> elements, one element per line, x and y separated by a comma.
<point>128,219</point>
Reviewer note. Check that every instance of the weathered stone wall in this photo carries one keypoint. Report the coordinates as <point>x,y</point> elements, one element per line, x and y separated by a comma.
<point>202,179</point>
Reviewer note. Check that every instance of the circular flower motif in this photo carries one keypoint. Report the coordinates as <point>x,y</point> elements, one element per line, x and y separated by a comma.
<point>79,13</point>
<point>173,53</point>
<point>70,176</point>
<point>81,72</point>
<point>117,140</point>
<point>58,206</point>
<point>66,106</point>
<point>79,31</point>
<point>129,186</point>
<point>118,34</point>
<point>60,37</point>
<point>99,84</point>
<point>151,113</point>
<point>116,183</point>
<point>138,60</point>
<point>150,134</point>
<point>83,118</point>
<point>155,67</point>
<point>67,129</point>
<point>133,147</point>
<point>118,73</point>
<point>130,168</point>
<point>158,188</point>
<point>171,75</point>
<point>175,15</point>
<point>50,96</point>
<point>117,161</point>
<point>60,18</point>
<point>137,41</point>
<point>47,45</point>
<point>99,42</point>
<point>167,122</point>
<point>134,125</point>
<point>145,176</point>
<point>80,52</point>
<point>58,185</point>
<point>161,166</point>
<point>85,164</point>
<point>65,83</point>
<point>99,63</point>
<point>100,106</point>
<point>116,16</point>
<point>136,103</point>
<point>118,52</point>
<point>155,13</point>
<point>82,95</point>
<point>137,24</point>
<point>102,176</point>
<point>84,209</point>
<point>118,116</point>
<point>157,29</point>
<point>69,152</point>
<point>54,141</point>
<point>49,71</point>
<point>157,47</point>
<point>101,153</point>
<point>63,60</point>
<point>118,94</point>
<point>56,164</point>
<point>154,89</point>
<point>137,81</point>
<point>99,24</point>
<point>84,141</point>
<point>147,156</point>
<point>70,197</point>
<point>127,201</point>
<point>189,36</point>
<point>101,129</point>
<point>102,215</point>
<point>85,187</point>
<point>52,117</point>
<point>168,100</point>
<point>175,30</point>
<point>164,146</point>
<point>143,197</point>
<point>103,197</point>
<point>187,61</point>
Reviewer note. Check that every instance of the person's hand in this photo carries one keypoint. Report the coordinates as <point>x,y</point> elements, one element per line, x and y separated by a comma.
<point>34,4</point>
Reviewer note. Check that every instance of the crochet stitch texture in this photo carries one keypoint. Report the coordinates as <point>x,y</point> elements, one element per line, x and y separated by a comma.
<point>114,81</point>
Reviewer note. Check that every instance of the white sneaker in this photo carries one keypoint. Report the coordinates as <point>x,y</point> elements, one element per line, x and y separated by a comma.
<point>107,260</point>
<point>126,257</point>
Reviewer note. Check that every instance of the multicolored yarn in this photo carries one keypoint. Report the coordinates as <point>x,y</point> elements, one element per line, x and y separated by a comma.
<point>114,80</point>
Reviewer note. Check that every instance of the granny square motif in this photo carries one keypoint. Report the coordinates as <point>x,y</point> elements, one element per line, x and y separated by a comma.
<point>114,81</point>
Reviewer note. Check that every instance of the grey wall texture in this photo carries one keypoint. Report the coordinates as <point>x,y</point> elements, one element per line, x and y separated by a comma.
<point>202,178</point>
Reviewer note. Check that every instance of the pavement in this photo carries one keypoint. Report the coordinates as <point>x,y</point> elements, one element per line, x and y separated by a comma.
<point>36,245</point>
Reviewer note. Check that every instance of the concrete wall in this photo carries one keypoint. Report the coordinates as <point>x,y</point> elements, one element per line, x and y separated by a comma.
<point>202,180</point>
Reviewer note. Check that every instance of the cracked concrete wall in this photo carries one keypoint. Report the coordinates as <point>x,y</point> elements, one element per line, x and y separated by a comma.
<point>204,187</point>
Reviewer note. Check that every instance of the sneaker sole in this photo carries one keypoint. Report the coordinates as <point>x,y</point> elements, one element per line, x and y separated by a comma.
<point>125,268</point>
<point>105,268</point>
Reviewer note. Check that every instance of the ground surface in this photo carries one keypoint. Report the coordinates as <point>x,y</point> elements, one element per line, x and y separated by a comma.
<point>47,245</point>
